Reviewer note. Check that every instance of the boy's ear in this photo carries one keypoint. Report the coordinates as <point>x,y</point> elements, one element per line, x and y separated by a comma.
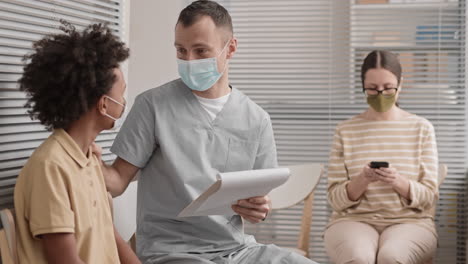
<point>101,105</point>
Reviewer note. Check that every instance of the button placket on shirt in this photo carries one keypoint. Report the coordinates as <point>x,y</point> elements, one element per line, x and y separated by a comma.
<point>92,191</point>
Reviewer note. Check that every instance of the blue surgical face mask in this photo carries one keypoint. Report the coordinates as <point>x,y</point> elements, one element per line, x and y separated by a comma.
<point>201,75</point>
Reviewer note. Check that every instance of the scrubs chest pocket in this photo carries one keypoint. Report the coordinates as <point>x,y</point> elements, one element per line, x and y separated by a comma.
<point>241,155</point>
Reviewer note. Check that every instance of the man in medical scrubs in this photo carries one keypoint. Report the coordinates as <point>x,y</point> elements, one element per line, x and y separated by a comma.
<point>180,135</point>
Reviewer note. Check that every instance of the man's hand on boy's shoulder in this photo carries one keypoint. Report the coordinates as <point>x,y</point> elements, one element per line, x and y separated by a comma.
<point>97,150</point>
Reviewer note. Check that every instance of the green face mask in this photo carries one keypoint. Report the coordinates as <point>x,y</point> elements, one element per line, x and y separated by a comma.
<point>380,102</point>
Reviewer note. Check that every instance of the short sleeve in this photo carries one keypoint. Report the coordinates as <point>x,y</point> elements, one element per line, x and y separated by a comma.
<point>136,140</point>
<point>48,208</point>
<point>266,155</point>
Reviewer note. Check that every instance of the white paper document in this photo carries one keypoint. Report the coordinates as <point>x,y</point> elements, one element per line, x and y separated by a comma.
<point>233,186</point>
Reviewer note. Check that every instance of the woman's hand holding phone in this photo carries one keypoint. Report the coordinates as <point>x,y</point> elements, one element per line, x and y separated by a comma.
<point>391,176</point>
<point>384,172</point>
<point>369,175</point>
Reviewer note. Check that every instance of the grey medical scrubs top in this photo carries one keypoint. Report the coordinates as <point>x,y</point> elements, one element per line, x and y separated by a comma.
<point>180,150</point>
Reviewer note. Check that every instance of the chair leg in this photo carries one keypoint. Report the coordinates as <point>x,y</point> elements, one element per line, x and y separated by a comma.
<point>5,256</point>
<point>132,242</point>
<point>304,235</point>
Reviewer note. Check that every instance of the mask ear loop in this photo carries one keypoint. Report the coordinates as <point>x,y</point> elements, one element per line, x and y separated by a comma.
<point>225,46</point>
<point>226,63</point>
<point>117,102</point>
<point>225,67</point>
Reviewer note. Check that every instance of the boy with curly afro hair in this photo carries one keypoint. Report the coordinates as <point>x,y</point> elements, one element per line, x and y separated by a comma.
<point>76,90</point>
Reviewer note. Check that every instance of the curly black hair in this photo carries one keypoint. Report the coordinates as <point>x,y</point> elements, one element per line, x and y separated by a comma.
<point>67,73</point>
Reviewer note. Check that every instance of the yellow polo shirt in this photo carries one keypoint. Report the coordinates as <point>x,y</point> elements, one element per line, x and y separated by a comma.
<point>62,190</point>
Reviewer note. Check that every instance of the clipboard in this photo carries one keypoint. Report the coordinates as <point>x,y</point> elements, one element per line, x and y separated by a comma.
<point>233,186</point>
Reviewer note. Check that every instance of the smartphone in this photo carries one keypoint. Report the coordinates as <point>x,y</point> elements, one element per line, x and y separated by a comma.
<point>378,164</point>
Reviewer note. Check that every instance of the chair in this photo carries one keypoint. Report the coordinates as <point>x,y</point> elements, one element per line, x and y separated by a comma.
<point>8,250</point>
<point>440,179</point>
<point>124,213</point>
<point>132,240</point>
<point>442,174</point>
<point>299,188</point>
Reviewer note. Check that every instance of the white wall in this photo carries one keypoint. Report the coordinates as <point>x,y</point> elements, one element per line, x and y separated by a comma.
<point>152,54</point>
<point>126,34</point>
<point>149,32</point>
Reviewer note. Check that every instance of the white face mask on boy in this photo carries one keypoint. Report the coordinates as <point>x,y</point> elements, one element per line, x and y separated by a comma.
<point>118,121</point>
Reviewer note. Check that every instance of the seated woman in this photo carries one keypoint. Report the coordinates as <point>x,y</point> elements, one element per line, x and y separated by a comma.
<point>382,215</point>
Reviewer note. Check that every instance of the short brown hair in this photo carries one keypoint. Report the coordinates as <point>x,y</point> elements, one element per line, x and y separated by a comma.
<point>197,9</point>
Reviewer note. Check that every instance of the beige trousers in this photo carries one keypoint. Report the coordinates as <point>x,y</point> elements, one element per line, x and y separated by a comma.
<point>360,243</point>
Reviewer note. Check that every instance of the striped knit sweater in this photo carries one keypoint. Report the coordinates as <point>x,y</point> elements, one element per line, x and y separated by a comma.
<point>409,146</point>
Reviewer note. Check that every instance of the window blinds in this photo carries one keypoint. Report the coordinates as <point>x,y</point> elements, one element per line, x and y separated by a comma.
<point>300,60</point>
<point>21,23</point>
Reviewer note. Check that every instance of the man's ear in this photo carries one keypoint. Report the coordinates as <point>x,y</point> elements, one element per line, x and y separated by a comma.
<point>232,48</point>
<point>101,105</point>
